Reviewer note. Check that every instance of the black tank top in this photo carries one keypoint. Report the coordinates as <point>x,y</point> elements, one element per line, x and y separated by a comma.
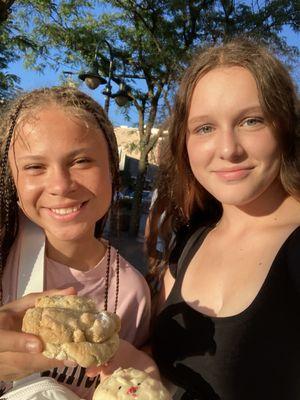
<point>254,355</point>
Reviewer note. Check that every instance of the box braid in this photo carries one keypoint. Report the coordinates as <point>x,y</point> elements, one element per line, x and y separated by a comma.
<point>8,197</point>
<point>75,102</point>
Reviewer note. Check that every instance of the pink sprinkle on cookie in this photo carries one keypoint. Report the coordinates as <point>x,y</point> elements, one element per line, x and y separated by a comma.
<point>132,390</point>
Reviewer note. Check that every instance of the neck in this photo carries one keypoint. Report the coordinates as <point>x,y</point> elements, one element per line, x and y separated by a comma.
<point>82,255</point>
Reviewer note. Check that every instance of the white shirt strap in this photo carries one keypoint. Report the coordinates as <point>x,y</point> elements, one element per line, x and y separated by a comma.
<point>32,260</point>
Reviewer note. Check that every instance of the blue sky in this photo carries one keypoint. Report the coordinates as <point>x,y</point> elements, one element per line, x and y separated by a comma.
<point>32,80</point>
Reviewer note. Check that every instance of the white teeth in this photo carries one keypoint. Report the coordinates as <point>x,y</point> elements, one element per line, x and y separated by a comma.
<point>65,211</point>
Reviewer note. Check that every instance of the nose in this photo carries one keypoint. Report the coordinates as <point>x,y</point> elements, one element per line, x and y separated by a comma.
<point>229,145</point>
<point>60,181</point>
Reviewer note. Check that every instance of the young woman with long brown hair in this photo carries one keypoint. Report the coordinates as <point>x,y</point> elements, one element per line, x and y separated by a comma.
<point>227,321</point>
<point>227,325</point>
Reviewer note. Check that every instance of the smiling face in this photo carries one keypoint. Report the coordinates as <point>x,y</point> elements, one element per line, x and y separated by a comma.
<point>231,147</point>
<point>60,167</point>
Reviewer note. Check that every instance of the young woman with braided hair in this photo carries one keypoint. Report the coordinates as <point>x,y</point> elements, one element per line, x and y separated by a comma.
<point>59,169</point>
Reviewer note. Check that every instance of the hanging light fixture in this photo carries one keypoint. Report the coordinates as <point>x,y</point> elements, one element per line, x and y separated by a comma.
<point>92,78</point>
<point>122,97</point>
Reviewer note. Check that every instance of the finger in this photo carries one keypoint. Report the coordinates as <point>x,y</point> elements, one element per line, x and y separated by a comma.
<point>10,321</point>
<point>21,305</point>
<point>11,314</point>
<point>19,342</point>
<point>30,299</point>
<point>62,292</point>
<point>17,365</point>
<point>91,372</point>
<point>102,370</point>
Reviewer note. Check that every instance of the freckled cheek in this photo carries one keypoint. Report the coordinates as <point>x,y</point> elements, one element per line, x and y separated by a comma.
<point>199,154</point>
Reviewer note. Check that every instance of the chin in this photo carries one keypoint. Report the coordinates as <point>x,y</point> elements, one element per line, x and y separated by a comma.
<point>236,198</point>
<point>239,200</point>
<point>68,235</point>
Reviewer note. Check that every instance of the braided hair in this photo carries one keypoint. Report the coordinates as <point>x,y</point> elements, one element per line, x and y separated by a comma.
<point>75,102</point>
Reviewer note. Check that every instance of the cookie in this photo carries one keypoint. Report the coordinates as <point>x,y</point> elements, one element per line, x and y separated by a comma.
<point>126,384</point>
<point>71,328</point>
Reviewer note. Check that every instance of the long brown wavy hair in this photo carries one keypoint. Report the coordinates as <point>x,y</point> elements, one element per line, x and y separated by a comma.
<point>182,203</point>
<point>18,111</point>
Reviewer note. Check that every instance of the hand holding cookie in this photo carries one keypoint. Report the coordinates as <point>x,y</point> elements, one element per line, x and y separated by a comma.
<point>71,328</point>
<point>21,353</point>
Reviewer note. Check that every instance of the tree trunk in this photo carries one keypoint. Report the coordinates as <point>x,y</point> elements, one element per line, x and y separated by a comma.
<point>137,200</point>
<point>4,9</point>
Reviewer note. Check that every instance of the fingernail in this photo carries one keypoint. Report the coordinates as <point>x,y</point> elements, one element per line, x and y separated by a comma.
<point>33,346</point>
<point>70,363</point>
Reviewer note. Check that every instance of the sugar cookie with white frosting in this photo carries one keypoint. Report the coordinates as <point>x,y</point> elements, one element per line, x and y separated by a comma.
<point>131,384</point>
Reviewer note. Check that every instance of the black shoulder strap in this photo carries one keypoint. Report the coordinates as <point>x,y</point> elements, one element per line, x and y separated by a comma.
<point>189,250</point>
<point>292,249</point>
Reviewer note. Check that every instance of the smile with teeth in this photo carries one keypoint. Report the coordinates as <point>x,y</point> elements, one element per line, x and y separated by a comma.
<point>66,211</point>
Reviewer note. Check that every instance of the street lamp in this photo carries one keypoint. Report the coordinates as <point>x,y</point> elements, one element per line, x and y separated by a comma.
<point>122,98</point>
<point>93,79</point>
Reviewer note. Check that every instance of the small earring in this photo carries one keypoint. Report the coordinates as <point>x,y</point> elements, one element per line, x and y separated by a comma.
<point>18,201</point>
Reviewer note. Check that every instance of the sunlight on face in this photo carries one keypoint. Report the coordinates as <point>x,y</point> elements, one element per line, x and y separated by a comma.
<point>60,167</point>
<point>232,149</point>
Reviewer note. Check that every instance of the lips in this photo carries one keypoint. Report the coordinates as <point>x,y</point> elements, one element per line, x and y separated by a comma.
<point>232,174</point>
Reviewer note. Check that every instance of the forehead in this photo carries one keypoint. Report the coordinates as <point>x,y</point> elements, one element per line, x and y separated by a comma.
<point>225,86</point>
<point>55,124</point>
<point>226,76</point>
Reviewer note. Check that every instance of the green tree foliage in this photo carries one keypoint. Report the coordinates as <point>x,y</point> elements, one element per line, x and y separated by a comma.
<point>152,41</point>
<point>7,81</point>
<point>13,44</point>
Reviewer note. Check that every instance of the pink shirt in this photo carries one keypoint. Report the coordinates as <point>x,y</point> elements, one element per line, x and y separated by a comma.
<point>133,302</point>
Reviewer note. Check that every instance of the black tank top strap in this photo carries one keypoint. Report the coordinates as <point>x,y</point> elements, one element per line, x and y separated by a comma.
<point>192,245</point>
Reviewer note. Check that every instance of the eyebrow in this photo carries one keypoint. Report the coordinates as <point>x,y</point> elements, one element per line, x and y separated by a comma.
<point>69,155</point>
<point>242,112</point>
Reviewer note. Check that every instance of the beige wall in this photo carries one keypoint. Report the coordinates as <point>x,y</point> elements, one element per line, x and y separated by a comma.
<point>127,136</point>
